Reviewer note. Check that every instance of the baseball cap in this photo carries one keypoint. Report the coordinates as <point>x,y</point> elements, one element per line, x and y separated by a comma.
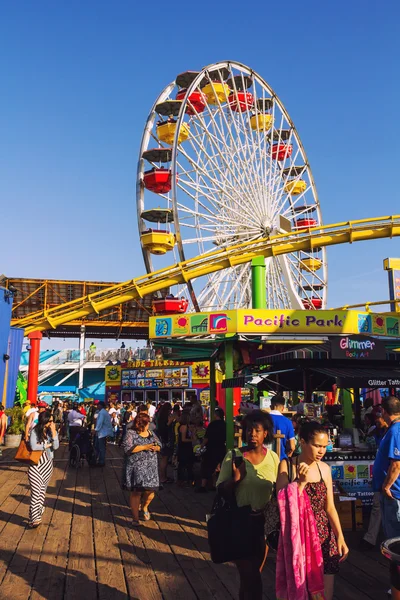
<point>42,405</point>
<point>96,401</point>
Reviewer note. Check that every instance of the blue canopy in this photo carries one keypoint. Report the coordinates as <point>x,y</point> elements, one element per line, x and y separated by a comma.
<point>96,391</point>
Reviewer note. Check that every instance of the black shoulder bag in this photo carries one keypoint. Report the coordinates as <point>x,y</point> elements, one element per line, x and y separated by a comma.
<point>272,525</point>
<point>229,529</point>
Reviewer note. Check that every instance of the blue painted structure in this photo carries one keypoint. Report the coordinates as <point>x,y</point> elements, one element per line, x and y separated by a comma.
<point>15,340</point>
<point>6,301</point>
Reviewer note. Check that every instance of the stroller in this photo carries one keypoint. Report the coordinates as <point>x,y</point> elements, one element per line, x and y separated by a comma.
<point>82,449</point>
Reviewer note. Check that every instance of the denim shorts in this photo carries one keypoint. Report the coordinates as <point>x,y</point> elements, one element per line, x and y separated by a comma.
<point>390,509</point>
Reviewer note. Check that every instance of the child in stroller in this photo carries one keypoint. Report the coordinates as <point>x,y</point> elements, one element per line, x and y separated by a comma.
<point>82,449</point>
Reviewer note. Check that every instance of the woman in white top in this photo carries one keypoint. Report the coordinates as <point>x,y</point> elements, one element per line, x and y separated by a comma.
<point>42,437</point>
<point>75,422</point>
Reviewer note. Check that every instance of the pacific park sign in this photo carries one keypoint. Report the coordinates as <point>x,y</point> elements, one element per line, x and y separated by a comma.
<point>282,322</point>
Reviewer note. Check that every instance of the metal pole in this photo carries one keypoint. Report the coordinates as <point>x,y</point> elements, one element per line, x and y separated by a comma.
<point>33,372</point>
<point>213,389</point>
<point>258,287</point>
<point>357,408</point>
<point>81,355</point>
<point>230,434</point>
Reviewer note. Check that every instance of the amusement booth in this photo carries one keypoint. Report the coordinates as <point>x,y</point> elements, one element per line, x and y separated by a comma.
<point>157,381</point>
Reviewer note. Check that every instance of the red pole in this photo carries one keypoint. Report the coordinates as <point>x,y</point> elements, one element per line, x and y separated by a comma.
<point>33,373</point>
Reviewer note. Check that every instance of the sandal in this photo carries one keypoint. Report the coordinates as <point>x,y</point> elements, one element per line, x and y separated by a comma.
<point>146,515</point>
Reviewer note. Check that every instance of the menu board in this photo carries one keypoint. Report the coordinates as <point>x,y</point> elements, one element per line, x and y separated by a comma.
<point>156,378</point>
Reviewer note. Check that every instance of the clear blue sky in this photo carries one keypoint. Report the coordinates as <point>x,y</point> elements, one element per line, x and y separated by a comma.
<point>77,82</point>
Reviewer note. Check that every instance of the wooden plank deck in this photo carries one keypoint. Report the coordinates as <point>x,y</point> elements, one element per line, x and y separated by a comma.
<point>86,549</point>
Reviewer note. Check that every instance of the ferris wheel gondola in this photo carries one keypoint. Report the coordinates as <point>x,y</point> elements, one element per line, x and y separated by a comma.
<point>222,163</point>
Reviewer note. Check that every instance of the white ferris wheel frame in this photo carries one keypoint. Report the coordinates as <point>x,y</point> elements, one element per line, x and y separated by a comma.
<point>283,261</point>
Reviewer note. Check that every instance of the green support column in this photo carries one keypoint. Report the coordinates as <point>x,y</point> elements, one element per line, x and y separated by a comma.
<point>230,433</point>
<point>258,287</point>
<point>347,408</point>
<point>213,389</point>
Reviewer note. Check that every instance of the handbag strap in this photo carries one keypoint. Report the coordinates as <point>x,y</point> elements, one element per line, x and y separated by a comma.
<point>233,501</point>
<point>233,459</point>
<point>290,469</point>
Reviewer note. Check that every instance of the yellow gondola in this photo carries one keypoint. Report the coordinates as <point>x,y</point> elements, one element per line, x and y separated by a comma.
<point>166,132</point>
<point>157,241</point>
<point>261,122</point>
<point>311,264</point>
<point>295,187</point>
<point>216,92</point>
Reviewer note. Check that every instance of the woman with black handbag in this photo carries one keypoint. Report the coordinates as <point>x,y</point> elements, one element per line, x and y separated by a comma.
<point>247,477</point>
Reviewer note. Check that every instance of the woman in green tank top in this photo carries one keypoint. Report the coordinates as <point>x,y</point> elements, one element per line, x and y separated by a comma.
<point>251,478</point>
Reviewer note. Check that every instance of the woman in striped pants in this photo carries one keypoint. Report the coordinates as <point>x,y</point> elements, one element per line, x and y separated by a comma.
<point>43,437</point>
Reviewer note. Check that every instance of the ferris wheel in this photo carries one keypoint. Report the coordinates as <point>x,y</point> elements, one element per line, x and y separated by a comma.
<point>221,163</point>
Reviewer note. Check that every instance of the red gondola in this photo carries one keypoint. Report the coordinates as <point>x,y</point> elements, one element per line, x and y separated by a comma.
<point>197,101</point>
<point>170,306</point>
<point>281,151</point>
<point>158,180</point>
<point>240,101</point>
<point>305,223</point>
<point>314,303</point>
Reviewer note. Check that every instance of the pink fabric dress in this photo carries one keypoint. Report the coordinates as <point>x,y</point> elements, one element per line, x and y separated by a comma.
<point>300,565</point>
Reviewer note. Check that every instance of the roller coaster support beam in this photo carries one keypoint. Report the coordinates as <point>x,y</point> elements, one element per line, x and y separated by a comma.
<point>33,373</point>
<point>258,287</point>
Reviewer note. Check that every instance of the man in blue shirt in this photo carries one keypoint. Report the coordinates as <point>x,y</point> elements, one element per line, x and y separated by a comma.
<point>385,477</point>
<point>284,425</point>
<point>103,430</point>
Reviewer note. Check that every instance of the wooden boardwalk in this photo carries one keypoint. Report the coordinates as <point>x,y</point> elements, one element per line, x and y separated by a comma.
<point>86,548</point>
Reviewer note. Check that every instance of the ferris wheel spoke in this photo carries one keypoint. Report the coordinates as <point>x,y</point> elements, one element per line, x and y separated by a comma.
<point>250,140</point>
<point>229,162</point>
<point>233,283</point>
<point>217,201</point>
<point>210,295</point>
<point>293,295</point>
<point>302,273</point>
<point>279,287</point>
<point>225,124</point>
<point>220,146</point>
<point>246,289</point>
<point>225,213</point>
<point>218,170</point>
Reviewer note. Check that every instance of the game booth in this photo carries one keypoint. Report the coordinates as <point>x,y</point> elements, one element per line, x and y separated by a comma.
<point>159,381</point>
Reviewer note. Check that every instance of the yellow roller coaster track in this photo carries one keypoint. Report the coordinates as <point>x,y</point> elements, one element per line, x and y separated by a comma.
<point>306,240</point>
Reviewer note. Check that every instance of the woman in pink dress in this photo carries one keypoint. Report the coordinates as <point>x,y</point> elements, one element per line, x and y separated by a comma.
<point>314,478</point>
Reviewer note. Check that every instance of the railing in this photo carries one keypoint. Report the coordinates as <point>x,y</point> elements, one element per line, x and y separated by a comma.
<point>72,355</point>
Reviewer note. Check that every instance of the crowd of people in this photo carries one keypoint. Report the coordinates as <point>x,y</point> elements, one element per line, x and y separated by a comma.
<point>162,444</point>
<point>179,435</point>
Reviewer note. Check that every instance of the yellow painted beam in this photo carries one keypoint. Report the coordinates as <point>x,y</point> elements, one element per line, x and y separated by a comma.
<point>328,235</point>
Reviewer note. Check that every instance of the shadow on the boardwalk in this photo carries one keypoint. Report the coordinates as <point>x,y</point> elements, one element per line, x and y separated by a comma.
<point>52,582</point>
